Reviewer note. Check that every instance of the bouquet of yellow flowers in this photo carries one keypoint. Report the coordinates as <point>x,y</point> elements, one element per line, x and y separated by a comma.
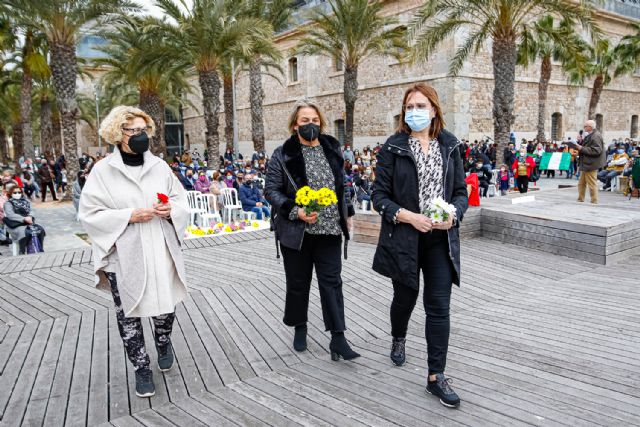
<point>314,200</point>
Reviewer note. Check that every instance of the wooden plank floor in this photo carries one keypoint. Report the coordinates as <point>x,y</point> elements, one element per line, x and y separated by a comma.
<point>536,339</point>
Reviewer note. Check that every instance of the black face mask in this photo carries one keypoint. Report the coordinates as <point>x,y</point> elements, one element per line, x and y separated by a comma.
<point>139,143</point>
<point>309,132</point>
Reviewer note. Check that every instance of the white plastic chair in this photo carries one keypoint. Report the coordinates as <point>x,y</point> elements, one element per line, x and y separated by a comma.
<point>232,206</point>
<point>212,214</point>
<point>193,210</point>
<point>15,248</point>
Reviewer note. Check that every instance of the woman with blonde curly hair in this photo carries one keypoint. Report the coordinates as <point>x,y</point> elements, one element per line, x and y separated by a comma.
<point>135,212</point>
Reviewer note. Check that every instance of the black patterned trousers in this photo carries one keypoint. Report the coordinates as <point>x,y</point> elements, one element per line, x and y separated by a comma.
<point>131,330</point>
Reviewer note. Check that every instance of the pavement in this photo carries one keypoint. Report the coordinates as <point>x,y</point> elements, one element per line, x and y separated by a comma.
<point>59,222</point>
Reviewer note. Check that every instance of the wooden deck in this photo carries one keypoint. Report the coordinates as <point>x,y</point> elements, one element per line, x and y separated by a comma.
<point>536,339</point>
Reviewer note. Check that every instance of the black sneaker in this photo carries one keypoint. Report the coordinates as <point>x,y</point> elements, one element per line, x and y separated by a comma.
<point>441,387</point>
<point>397,351</point>
<point>165,356</point>
<point>144,383</point>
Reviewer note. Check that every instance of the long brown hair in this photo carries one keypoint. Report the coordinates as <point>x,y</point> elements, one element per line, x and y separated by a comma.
<point>437,124</point>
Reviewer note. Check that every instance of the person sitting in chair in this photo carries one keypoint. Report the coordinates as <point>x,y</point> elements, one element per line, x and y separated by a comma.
<point>17,216</point>
<point>615,167</point>
<point>484,175</point>
<point>252,200</point>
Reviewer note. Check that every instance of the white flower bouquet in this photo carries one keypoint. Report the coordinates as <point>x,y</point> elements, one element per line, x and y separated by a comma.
<point>440,211</point>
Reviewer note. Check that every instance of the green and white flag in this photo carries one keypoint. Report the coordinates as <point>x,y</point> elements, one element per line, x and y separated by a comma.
<point>555,161</point>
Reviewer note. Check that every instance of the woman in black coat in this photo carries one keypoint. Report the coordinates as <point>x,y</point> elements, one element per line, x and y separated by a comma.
<point>311,158</point>
<point>421,162</point>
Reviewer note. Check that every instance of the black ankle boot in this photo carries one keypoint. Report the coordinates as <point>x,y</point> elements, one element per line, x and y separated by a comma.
<point>340,347</point>
<point>300,338</point>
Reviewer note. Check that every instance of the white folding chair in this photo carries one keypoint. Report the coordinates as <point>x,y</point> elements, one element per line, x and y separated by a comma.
<point>193,210</point>
<point>212,214</point>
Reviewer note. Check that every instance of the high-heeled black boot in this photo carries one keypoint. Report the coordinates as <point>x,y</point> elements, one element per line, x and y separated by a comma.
<point>340,347</point>
<point>300,338</point>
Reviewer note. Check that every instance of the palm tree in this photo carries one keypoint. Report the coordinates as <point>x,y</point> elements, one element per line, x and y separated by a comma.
<point>277,13</point>
<point>61,21</point>
<point>33,63</point>
<point>203,37</point>
<point>501,21</point>
<point>10,84</point>
<point>158,84</point>
<point>605,61</point>
<point>353,31</point>
<point>545,41</point>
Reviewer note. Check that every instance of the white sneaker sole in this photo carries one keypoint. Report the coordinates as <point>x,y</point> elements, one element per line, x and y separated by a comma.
<point>145,394</point>
<point>448,405</point>
<point>165,370</point>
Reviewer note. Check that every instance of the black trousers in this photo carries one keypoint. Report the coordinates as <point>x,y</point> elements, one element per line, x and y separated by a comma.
<point>437,271</point>
<point>43,189</point>
<point>130,329</point>
<point>324,253</point>
<point>523,184</point>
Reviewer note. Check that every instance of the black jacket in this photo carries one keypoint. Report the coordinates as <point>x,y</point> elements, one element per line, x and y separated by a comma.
<point>395,187</point>
<point>287,174</point>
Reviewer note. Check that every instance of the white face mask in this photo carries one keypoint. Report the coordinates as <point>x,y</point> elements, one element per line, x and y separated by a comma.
<point>17,196</point>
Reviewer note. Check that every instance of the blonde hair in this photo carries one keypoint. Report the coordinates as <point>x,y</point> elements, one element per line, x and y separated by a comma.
<point>305,103</point>
<point>111,127</point>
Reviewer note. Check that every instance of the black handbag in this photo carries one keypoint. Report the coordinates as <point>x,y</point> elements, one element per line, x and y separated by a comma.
<point>12,223</point>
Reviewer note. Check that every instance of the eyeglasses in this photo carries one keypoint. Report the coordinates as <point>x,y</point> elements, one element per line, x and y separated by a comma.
<point>411,107</point>
<point>135,131</point>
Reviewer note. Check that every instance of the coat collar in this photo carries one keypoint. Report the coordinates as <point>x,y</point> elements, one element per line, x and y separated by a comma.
<point>294,160</point>
<point>115,161</point>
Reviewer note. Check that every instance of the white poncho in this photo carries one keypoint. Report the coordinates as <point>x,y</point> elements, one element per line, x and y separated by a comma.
<point>146,257</point>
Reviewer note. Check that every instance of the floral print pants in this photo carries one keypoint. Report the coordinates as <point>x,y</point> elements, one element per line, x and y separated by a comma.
<point>131,330</point>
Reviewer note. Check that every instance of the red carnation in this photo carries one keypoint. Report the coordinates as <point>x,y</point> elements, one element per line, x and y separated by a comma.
<point>163,198</point>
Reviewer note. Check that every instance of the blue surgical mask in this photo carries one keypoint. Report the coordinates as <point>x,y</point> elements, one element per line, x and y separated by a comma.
<point>417,119</point>
<point>620,151</point>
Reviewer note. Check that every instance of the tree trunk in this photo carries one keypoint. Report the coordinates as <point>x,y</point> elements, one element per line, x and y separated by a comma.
<point>228,111</point>
<point>18,142</point>
<point>543,87</point>
<point>25,100</point>
<point>256,96</point>
<point>350,97</point>
<point>46,126</point>
<point>25,115</point>
<point>151,104</point>
<point>598,85</point>
<point>64,74</point>
<point>210,88</point>
<point>4,145</point>
<point>504,56</point>
<point>56,135</point>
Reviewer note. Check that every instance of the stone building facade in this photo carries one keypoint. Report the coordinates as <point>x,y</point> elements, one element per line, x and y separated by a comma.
<point>466,99</point>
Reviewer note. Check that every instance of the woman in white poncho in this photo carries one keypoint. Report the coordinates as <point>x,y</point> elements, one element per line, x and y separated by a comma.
<point>136,237</point>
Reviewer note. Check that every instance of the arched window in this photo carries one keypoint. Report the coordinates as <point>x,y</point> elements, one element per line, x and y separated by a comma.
<point>599,122</point>
<point>293,70</point>
<point>634,126</point>
<point>556,127</point>
<point>339,129</point>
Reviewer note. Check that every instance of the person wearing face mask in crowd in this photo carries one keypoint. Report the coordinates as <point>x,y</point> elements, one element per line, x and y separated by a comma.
<point>348,154</point>
<point>592,157</point>
<point>78,185</point>
<point>522,169</point>
<point>420,163</point>
<point>311,157</point>
<point>135,238</point>
<point>238,181</point>
<point>228,180</point>
<point>18,215</point>
<point>252,200</point>
<point>503,180</point>
<point>363,183</point>
<point>202,184</point>
<point>46,175</point>
<point>190,179</point>
<point>615,167</point>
